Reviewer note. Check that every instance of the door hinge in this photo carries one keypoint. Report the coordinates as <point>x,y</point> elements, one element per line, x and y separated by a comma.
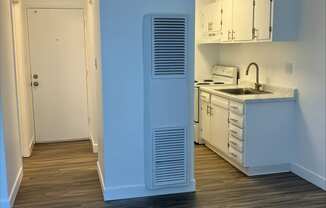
<point>221,11</point>
<point>270,29</point>
<point>254,3</point>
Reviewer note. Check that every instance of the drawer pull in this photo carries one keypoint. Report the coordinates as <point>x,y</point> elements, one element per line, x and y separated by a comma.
<point>234,132</point>
<point>234,155</point>
<point>234,120</point>
<point>235,107</point>
<point>234,143</point>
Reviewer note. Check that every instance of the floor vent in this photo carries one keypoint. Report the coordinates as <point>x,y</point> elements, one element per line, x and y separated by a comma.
<point>169,157</point>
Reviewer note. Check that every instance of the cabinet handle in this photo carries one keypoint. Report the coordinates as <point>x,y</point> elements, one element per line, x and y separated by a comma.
<point>255,33</point>
<point>234,143</point>
<point>234,120</point>
<point>234,107</point>
<point>234,155</point>
<point>229,35</point>
<point>233,35</point>
<point>234,132</point>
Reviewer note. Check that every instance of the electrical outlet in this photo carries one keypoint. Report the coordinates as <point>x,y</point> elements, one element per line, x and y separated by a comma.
<point>289,67</point>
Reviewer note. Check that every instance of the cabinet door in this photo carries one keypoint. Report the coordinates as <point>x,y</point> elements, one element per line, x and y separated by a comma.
<point>213,19</point>
<point>219,124</point>
<point>243,14</point>
<point>204,121</point>
<point>262,21</point>
<point>227,16</point>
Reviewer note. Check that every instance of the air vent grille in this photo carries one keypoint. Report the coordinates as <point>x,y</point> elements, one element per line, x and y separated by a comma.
<point>169,46</point>
<point>169,157</point>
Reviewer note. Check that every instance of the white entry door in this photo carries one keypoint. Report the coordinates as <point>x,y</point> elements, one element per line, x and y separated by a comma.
<point>58,66</point>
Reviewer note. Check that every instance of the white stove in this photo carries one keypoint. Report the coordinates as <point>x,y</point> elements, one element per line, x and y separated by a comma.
<point>221,75</point>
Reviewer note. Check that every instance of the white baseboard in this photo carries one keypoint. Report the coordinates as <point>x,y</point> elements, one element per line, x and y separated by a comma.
<point>30,149</point>
<point>136,191</point>
<point>94,145</point>
<point>15,188</point>
<point>100,175</point>
<point>309,176</point>
<point>254,171</point>
<point>44,141</point>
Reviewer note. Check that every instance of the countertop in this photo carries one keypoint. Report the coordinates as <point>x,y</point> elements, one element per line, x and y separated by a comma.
<point>277,94</point>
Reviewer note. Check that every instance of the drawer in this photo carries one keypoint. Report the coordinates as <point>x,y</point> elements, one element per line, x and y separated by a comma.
<point>236,108</point>
<point>236,143</point>
<point>236,119</point>
<point>221,102</point>
<point>236,155</point>
<point>235,131</point>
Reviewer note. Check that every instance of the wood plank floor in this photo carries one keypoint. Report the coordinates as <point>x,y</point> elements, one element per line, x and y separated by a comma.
<point>64,175</point>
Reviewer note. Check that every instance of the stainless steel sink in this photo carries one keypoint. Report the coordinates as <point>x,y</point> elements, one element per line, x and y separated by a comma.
<point>243,91</point>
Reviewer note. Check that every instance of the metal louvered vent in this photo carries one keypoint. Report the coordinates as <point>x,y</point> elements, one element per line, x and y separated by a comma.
<point>169,157</point>
<point>169,46</point>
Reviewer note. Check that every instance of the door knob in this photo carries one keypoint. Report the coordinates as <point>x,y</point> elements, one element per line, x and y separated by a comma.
<point>36,84</point>
<point>35,76</point>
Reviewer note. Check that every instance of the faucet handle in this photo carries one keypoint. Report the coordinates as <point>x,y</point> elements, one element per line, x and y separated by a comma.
<point>258,86</point>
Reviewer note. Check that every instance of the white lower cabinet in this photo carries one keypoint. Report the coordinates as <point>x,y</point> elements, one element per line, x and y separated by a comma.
<point>219,123</point>
<point>236,132</point>
<point>214,122</point>
<point>204,118</point>
<point>236,155</point>
<point>254,137</point>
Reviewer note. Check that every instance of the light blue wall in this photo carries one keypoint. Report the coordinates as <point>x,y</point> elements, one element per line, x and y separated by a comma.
<point>123,93</point>
<point>3,172</point>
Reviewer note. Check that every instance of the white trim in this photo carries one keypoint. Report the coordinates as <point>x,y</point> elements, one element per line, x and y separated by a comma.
<point>309,175</point>
<point>30,149</point>
<point>94,145</point>
<point>41,141</point>
<point>16,186</point>
<point>75,4</point>
<point>140,190</point>
<point>100,175</point>
<point>252,171</point>
<point>134,191</point>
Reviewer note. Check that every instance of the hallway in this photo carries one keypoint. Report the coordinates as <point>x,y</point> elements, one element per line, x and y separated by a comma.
<point>64,175</point>
<point>60,175</point>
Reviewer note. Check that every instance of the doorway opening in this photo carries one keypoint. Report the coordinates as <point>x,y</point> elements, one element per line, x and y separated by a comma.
<point>58,75</point>
<point>58,82</point>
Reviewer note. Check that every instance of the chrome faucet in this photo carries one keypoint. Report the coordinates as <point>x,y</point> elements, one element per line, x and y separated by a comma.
<point>257,84</point>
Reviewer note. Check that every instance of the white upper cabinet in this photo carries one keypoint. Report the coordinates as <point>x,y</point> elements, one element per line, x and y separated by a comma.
<point>210,13</point>
<point>263,19</point>
<point>242,20</point>
<point>248,20</point>
<point>227,20</point>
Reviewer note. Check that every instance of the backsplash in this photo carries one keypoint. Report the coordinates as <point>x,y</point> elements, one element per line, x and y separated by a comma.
<point>277,62</point>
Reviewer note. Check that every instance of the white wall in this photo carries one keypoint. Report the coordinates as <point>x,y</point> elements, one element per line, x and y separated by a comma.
<point>123,93</point>
<point>205,55</point>
<point>23,80</point>
<point>300,65</point>
<point>10,140</point>
<point>94,70</point>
